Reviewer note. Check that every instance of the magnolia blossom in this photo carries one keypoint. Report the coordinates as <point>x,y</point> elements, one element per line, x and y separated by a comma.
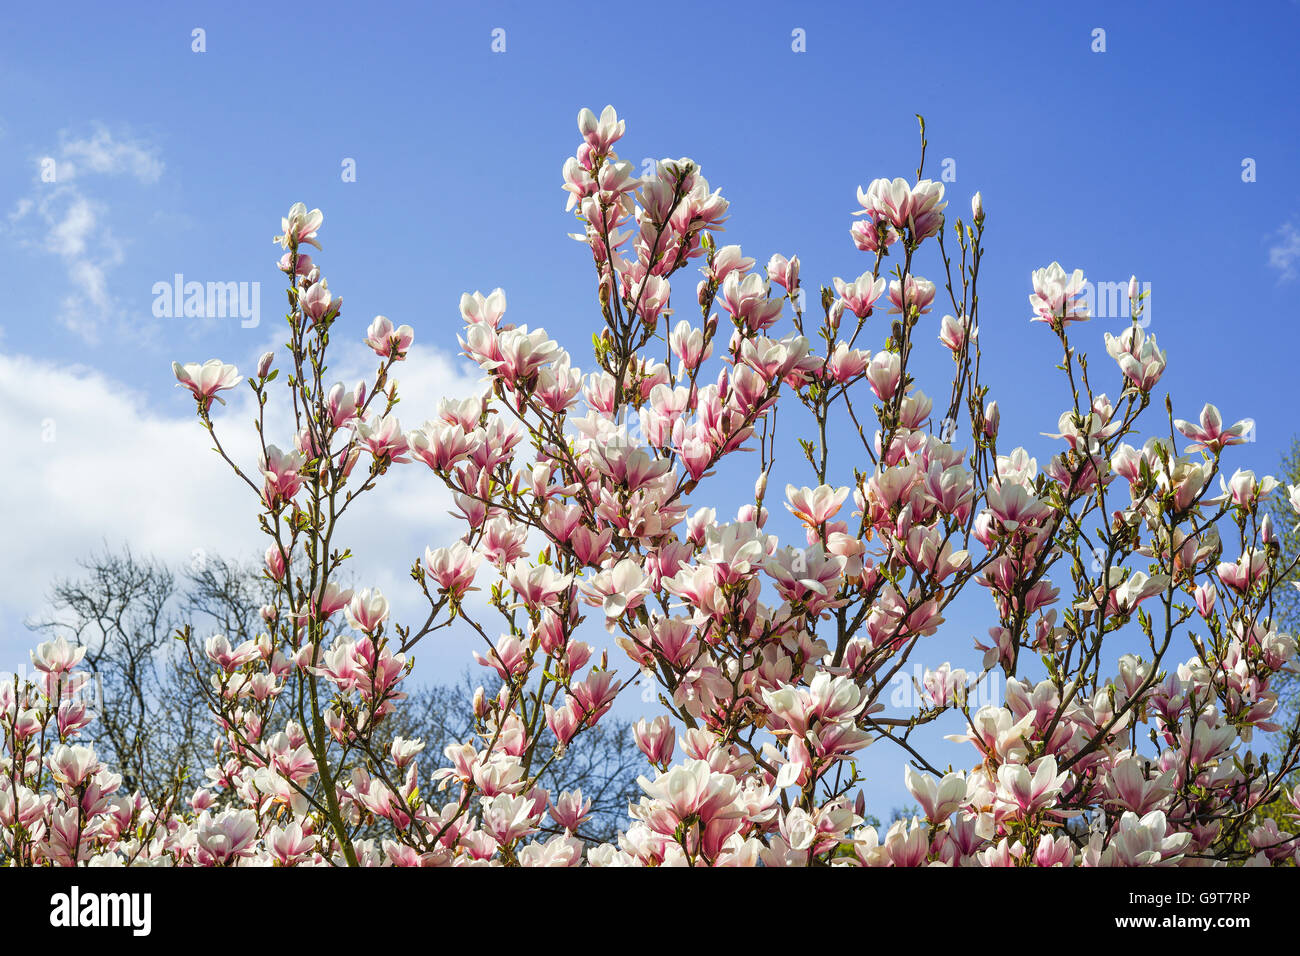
<point>938,799</point>
<point>954,333</point>
<point>57,656</point>
<point>748,302</point>
<point>689,345</point>
<point>452,568</point>
<point>912,293</point>
<point>784,272</point>
<point>300,226</point>
<point>205,380</point>
<point>367,610</point>
<point>689,791</point>
<point>815,507</point>
<point>282,472</point>
<point>655,739</point>
<point>1139,841</point>
<point>618,481</point>
<point>1138,357</point>
<point>227,836</point>
<point>478,309</point>
<point>1026,789</point>
<point>389,342</point>
<point>229,658</point>
<point>383,437</point>
<point>618,589</point>
<point>883,374</point>
<point>318,304</point>
<point>1210,433</point>
<point>859,295</point>
<point>1057,296</point>
<point>600,133</point>
<point>903,205</point>
<point>1123,592</point>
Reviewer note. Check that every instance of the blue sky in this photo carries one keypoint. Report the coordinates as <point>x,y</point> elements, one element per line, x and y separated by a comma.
<point>173,161</point>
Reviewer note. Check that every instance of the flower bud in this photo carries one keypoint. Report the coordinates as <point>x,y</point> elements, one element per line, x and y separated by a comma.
<point>977,208</point>
<point>264,364</point>
<point>1132,288</point>
<point>992,418</point>
<point>655,739</point>
<point>835,314</point>
<point>1205,599</point>
<point>275,562</point>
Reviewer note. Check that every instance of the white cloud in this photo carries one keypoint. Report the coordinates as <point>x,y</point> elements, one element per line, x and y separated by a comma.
<point>69,235</point>
<point>73,225</point>
<point>90,462</point>
<point>102,153</point>
<point>1284,254</point>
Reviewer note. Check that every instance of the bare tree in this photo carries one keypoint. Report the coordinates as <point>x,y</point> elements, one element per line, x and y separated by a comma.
<point>151,724</point>
<point>604,761</point>
<point>155,728</point>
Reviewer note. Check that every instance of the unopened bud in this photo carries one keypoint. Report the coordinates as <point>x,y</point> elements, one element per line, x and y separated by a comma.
<point>977,208</point>
<point>760,487</point>
<point>835,314</point>
<point>1205,599</point>
<point>1133,288</point>
<point>264,364</point>
<point>992,418</point>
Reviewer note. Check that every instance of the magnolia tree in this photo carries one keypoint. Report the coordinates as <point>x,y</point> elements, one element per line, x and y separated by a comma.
<point>1131,593</point>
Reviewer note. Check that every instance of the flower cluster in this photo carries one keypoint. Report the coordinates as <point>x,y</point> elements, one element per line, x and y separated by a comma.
<point>594,525</point>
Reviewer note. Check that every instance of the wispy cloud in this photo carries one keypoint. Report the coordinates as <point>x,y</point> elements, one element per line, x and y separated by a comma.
<point>143,473</point>
<point>102,153</point>
<point>1284,253</point>
<point>63,217</point>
